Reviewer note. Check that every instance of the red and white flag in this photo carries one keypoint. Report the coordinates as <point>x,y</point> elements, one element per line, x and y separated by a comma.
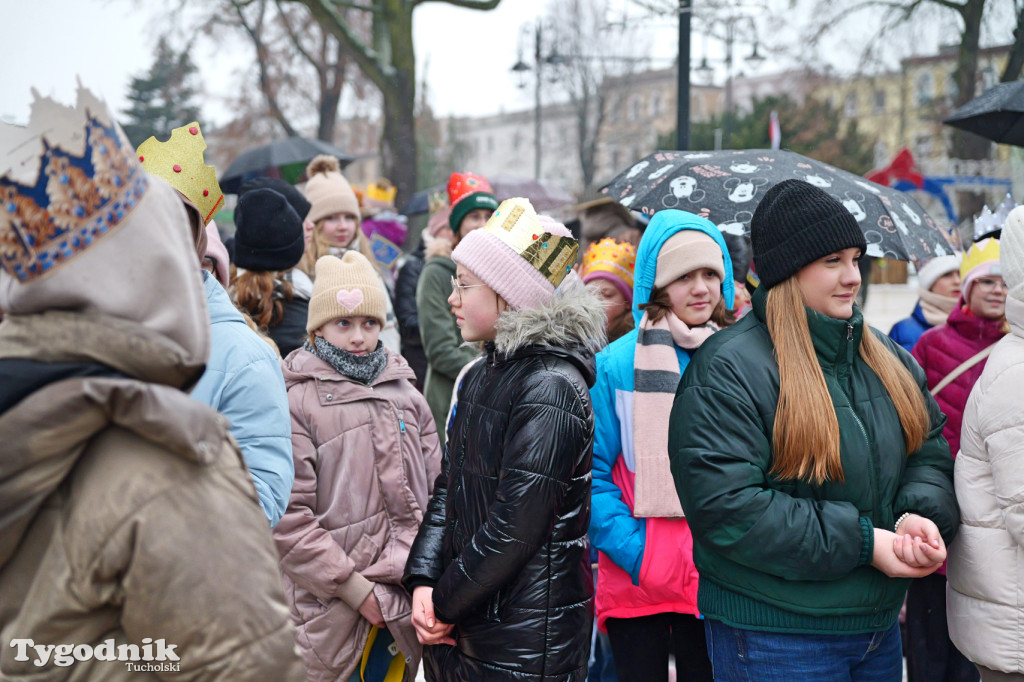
<point>774,130</point>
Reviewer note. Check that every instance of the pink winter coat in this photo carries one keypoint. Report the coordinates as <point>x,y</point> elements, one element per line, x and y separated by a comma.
<point>365,459</point>
<point>942,349</point>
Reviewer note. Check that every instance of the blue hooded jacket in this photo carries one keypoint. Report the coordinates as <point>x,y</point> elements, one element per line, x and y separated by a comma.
<point>613,528</point>
<point>243,381</point>
<point>907,331</point>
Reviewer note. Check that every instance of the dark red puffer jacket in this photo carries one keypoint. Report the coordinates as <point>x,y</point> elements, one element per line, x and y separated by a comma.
<point>942,349</point>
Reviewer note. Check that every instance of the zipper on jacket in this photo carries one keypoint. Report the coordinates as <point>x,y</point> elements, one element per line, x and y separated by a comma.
<point>401,422</point>
<point>849,332</point>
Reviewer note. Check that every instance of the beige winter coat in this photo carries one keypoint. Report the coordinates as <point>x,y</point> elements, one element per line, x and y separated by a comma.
<point>985,606</point>
<point>365,460</point>
<point>126,512</point>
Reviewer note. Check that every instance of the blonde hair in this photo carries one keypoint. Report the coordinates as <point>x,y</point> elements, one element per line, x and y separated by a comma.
<point>319,246</point>
<point>805,441</point>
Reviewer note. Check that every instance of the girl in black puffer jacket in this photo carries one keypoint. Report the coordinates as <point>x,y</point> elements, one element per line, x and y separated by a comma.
<point>499,572</point>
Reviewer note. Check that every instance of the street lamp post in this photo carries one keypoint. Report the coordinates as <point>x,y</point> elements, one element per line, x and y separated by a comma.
<point>683,77</point>
<point>754,58</point>
<point>520,68</point>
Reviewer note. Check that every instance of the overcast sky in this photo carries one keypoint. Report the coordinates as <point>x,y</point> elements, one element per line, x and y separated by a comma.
<point>467,54</point>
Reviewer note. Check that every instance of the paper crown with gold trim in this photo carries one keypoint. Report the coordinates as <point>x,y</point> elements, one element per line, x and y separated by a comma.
<point>180,162</point>
<point>67,179</point>
<point>382,191</point>
<point>981,260</point>
<point>985,251</point>
<point>613,261</point>
<point>521,255</point>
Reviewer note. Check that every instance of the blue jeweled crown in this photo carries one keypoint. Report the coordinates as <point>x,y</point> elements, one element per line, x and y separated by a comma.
<point>66,180</point>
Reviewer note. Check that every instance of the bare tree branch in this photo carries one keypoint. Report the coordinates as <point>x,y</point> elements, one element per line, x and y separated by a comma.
<point>266,81</point>
<point>286,22</point>
<point>468,4</point>
<point>1015,61</point>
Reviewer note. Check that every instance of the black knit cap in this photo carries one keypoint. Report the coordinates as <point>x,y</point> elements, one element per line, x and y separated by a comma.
<point>269,235</point>
<point>795,224</point>
<point>293,195</point>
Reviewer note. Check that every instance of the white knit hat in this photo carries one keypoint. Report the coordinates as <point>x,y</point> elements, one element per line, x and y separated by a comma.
<point>929,272</point>
<point>1011,256</point>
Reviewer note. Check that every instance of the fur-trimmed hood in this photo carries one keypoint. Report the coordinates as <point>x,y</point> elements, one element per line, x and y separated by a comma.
<point>570,325</point>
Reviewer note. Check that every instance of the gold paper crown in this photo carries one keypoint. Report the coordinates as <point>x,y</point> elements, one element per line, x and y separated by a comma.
<point>179,161</point>
<point>608,255</point>
<point>437,201</point>
<point>66,180</point>
<point>980,252</point>
<point>517,225</point>
<point>382,191</point>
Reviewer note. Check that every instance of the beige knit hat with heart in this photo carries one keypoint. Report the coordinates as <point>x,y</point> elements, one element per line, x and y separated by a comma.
<point>345,287</point>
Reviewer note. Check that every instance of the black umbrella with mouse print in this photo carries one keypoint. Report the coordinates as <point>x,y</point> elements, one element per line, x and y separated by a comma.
<point>726,186</point>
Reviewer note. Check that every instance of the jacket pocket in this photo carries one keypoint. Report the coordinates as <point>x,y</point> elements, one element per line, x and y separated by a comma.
<point>365,552</point>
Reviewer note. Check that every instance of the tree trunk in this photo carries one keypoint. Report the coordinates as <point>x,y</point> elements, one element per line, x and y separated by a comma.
<point>967,145</point>
<point>398,142</point>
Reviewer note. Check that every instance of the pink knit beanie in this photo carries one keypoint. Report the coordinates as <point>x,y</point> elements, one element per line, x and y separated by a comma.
<point>522,256</point>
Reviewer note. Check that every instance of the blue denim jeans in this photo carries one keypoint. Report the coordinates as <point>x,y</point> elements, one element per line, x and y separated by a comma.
<point>754,656</point>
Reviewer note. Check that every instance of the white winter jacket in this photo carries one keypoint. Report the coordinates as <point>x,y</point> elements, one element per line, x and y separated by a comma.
<point>985,604</point>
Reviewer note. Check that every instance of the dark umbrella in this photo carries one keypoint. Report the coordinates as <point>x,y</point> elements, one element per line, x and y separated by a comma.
<point>726,186</point>
<point>543,197</point>
<point>997,114</point>
<point>286,159</point>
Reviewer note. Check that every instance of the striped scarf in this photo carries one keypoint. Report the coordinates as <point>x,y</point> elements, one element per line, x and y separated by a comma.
<point>656,375</point>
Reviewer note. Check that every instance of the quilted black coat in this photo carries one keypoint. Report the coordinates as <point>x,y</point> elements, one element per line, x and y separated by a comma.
<point>504,540</point>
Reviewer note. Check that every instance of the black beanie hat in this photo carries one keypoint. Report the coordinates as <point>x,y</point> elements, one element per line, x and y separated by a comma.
<point>795,224</point>
<point>269,235</point>
<point>295,198</point>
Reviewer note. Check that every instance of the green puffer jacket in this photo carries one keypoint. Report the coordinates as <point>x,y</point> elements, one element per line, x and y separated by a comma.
<point>442,338</point>
<point>787,555</point>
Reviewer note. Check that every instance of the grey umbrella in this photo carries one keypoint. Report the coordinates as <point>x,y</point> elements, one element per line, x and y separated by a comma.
<point>285,159</point>
<point>726,186</point>
<point>997,114</point>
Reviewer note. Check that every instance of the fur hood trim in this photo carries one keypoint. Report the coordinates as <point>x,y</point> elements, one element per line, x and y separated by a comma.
<point>436,246</point>
<point>574,317</point>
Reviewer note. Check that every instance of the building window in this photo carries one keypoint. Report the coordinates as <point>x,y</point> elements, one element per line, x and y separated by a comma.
<point>925,89</point>
<point>924,146</point>
<point>616,159</point>
<point>879,105</point>
<point>636,105</point>
<point>613,108</point>
<point>850,105</point>
<point>952,89</point>
<point>988,77</point>
<point>656,105</point>
<point>517,140</point>
<point>490,144</point>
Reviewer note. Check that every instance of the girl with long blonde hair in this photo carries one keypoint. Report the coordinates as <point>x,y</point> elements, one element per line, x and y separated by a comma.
<point>809,459</point>
<point>333,228</point>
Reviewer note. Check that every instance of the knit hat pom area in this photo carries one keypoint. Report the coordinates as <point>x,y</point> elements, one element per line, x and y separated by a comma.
<point>1012,257</point>
<point>321,165</point>
<point>327,190</point>
<point>795,224</point>
<point>345,287</point>
<point>522,256</point>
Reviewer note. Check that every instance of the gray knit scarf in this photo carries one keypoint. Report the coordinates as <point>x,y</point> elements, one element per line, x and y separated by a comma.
<point>362,368</point>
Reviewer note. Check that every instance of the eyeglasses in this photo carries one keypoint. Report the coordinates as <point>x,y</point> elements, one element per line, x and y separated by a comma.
<point>990,283</point>
<point>459,288</point>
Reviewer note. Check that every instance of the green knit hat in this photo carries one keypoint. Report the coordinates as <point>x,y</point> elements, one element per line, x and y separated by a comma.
<point>466,193</point>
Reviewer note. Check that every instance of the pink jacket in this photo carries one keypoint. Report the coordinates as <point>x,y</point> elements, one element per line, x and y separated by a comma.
<point>365,460</point>
<point>941,349</point>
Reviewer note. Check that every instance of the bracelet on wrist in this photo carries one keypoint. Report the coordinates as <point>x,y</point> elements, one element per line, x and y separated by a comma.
<point>901,519</point>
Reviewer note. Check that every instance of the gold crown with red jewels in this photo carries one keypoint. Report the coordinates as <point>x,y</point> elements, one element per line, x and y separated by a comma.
<point>67,179</point>
<point>180,162</point>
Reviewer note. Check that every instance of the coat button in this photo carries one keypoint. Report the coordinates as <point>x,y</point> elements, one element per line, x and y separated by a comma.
<point>330,397</point>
